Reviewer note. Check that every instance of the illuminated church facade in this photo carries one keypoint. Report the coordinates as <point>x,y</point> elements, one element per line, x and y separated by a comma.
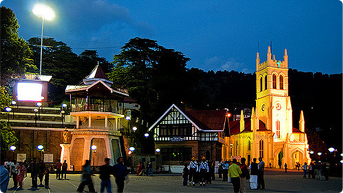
<point>269,132</point>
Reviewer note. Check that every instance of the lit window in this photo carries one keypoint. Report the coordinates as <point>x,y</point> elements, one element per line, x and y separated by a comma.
<point>261,148</point>
<point>281,82</point>
<point>261,89</point>
<point>274,81</point>
<point>265,82</point>
<point>277,128</point>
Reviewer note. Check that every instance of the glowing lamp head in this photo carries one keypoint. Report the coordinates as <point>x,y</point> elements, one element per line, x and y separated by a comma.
<point>13,102</point>
<point>319,153</point>
<point>93,147</point>
<point>12,148</point>
<point>43,11</point>
<point>311,152</point>
<point>35,110</point>
<point>341,154</point>
<point>229,115</point>
<point>134,128</point>
<point>64,105</point>
<point>146,135</point>
<point>131,149</point>
<point>128,118</point>
<point>158,150</point>
<point>8,109</point>
<point>331,149</point>
<point>39,104</point>
<point>40,147</point>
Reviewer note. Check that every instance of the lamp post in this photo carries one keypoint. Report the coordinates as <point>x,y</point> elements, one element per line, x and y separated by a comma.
<point>35,110</point>
<point>93,147</point>
<point>62,113</point>
<point>40,149</point>
<point>39,104</point>
<point>13,103</point>
<point>12,148</point>
<point>8,110</point>
<point>47,14</point>
<point>146,135</point>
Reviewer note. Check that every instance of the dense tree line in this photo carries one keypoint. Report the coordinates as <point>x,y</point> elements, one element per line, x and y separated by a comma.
<point>157,77</point>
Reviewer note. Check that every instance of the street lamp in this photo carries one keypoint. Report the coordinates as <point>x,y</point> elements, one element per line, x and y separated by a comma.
<point>146,135</point>
<point>35,110</point>
<point>331,149</point>
<point>12,148</point>
<point>134,129</point>
<point>63,114</point>
<point>93,147</point>
<point>158,150</point>
<point>47,13</point>
<point>132,149</point>
<point>40,149</point>
<point>8,110</point>
<point>39,104</point>
<point>13,103</point>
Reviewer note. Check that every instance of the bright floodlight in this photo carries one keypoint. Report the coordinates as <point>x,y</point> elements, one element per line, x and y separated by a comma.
<point>12,148</point>
<point>93,147</point>
<point>40,147</point>
<point>43,11</point>
<point>331,149</point>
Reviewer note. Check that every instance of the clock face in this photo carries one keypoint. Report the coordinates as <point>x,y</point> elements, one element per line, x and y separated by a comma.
<point>263,107</point>
<point>278,106</point>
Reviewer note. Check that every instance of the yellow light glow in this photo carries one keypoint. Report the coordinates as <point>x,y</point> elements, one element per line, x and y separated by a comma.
<point>43,11</point>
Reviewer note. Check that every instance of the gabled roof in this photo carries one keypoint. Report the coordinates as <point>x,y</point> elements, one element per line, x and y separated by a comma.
<point>97,72</point>
<point>206,121</point>
<point>235,126</point>
<point>72,88</point>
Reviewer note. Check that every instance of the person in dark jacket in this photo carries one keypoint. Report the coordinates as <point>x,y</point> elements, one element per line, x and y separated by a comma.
<point>34,172</point>
<point>120,172</point>
<point>185,174</point>
<point>253,176</point>
<point>86,178</point>
<point>105,172</point>
<point>41,170</point>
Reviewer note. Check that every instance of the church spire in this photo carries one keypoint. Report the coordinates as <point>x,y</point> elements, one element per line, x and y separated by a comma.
<point>302,122</point>
<point>269,54</point>
<point>285,59</point>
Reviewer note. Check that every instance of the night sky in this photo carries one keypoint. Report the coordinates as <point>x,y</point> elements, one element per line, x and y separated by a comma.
<point>214,34</point>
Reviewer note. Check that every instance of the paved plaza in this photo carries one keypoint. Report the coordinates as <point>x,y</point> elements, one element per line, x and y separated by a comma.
<point>276,181</point>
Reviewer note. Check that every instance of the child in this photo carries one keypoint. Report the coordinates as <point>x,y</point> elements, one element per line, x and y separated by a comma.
<point>47,172</point>
<point>185,174</point>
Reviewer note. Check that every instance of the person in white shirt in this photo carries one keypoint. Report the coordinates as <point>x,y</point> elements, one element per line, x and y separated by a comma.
<point>193,167</point>
<point>203,169</point>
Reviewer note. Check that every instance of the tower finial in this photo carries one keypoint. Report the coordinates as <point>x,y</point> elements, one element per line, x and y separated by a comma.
<point>285,52</point>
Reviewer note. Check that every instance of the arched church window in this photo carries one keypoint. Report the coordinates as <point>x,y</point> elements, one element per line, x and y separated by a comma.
<point>281,82</point>
<point>265,82</point>
<point>261,89</point>
<point>277,124</point>
<point>249,145</point>
<point>274,81</point>
<point>261,148</point>
<point>236,148</point>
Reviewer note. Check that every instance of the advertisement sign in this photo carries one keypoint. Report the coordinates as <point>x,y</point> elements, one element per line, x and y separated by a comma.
<point>48,158</point>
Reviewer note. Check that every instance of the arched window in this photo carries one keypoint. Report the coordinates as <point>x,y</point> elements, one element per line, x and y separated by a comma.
<point>261,148</point>
<point>265,82</point>
<point>277,125</point>
<point>249,145</point>
<point>274,81</point>
<point>261,89</point>
<point>281,82</point>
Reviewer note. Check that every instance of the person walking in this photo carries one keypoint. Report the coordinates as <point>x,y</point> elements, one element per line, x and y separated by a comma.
<point>254,174</point>
<point>260,179</point>
<point>120,173</point>
<point>304,168</point>
<point>21,175</point>
<point>203,170</point>
<point>185,174</point>
<point>14,173</point>
<point>225,170</point>
<point>105,172</point>
<point>220,169</point>
<point>212,170</point>
<point>41,171</point>
<point>193,167</point>
<point>4,176</point>
<point>310,170</point>
<point>285,167</point>
<point>46,178</point>
<point>58,169</point>
<point>86,178</point>
<point>64,169</point>
<point>243,176</point>
<point>34,172</point>
<point>234,172</point>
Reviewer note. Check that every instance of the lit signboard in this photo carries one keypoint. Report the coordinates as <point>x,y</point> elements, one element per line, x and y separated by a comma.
<point>29,91</point>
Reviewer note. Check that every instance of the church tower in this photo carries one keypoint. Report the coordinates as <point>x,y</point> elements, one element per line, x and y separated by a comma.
<point>273,104</point>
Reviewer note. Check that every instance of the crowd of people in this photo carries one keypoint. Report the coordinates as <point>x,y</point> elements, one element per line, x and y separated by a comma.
<point>316,170</point>
<point>202,172</point>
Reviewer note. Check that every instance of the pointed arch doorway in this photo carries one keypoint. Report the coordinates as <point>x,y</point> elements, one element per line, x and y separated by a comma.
<point>279,159</point>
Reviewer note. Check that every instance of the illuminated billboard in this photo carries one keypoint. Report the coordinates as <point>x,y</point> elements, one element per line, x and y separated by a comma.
<point>29,91</point>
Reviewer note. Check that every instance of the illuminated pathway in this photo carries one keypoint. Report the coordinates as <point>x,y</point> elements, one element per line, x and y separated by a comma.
<point>276,181</point>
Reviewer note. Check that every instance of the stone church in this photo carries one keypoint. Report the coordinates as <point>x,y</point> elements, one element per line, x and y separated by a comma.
<point>269,132</point>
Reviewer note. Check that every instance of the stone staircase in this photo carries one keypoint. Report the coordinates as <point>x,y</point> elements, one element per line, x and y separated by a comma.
<point>45,117</point>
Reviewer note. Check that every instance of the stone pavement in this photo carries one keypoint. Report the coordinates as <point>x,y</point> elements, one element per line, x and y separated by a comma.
<point>275,180</point>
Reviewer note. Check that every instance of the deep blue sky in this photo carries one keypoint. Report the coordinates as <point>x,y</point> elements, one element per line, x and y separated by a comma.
<point>214,34</point>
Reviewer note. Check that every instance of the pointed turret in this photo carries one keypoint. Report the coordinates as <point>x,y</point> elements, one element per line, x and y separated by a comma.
<point>257,60</point>
<point>285,59</point>
<point>242,122</point>
<point>269,54</point>
<point>302,122</point>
